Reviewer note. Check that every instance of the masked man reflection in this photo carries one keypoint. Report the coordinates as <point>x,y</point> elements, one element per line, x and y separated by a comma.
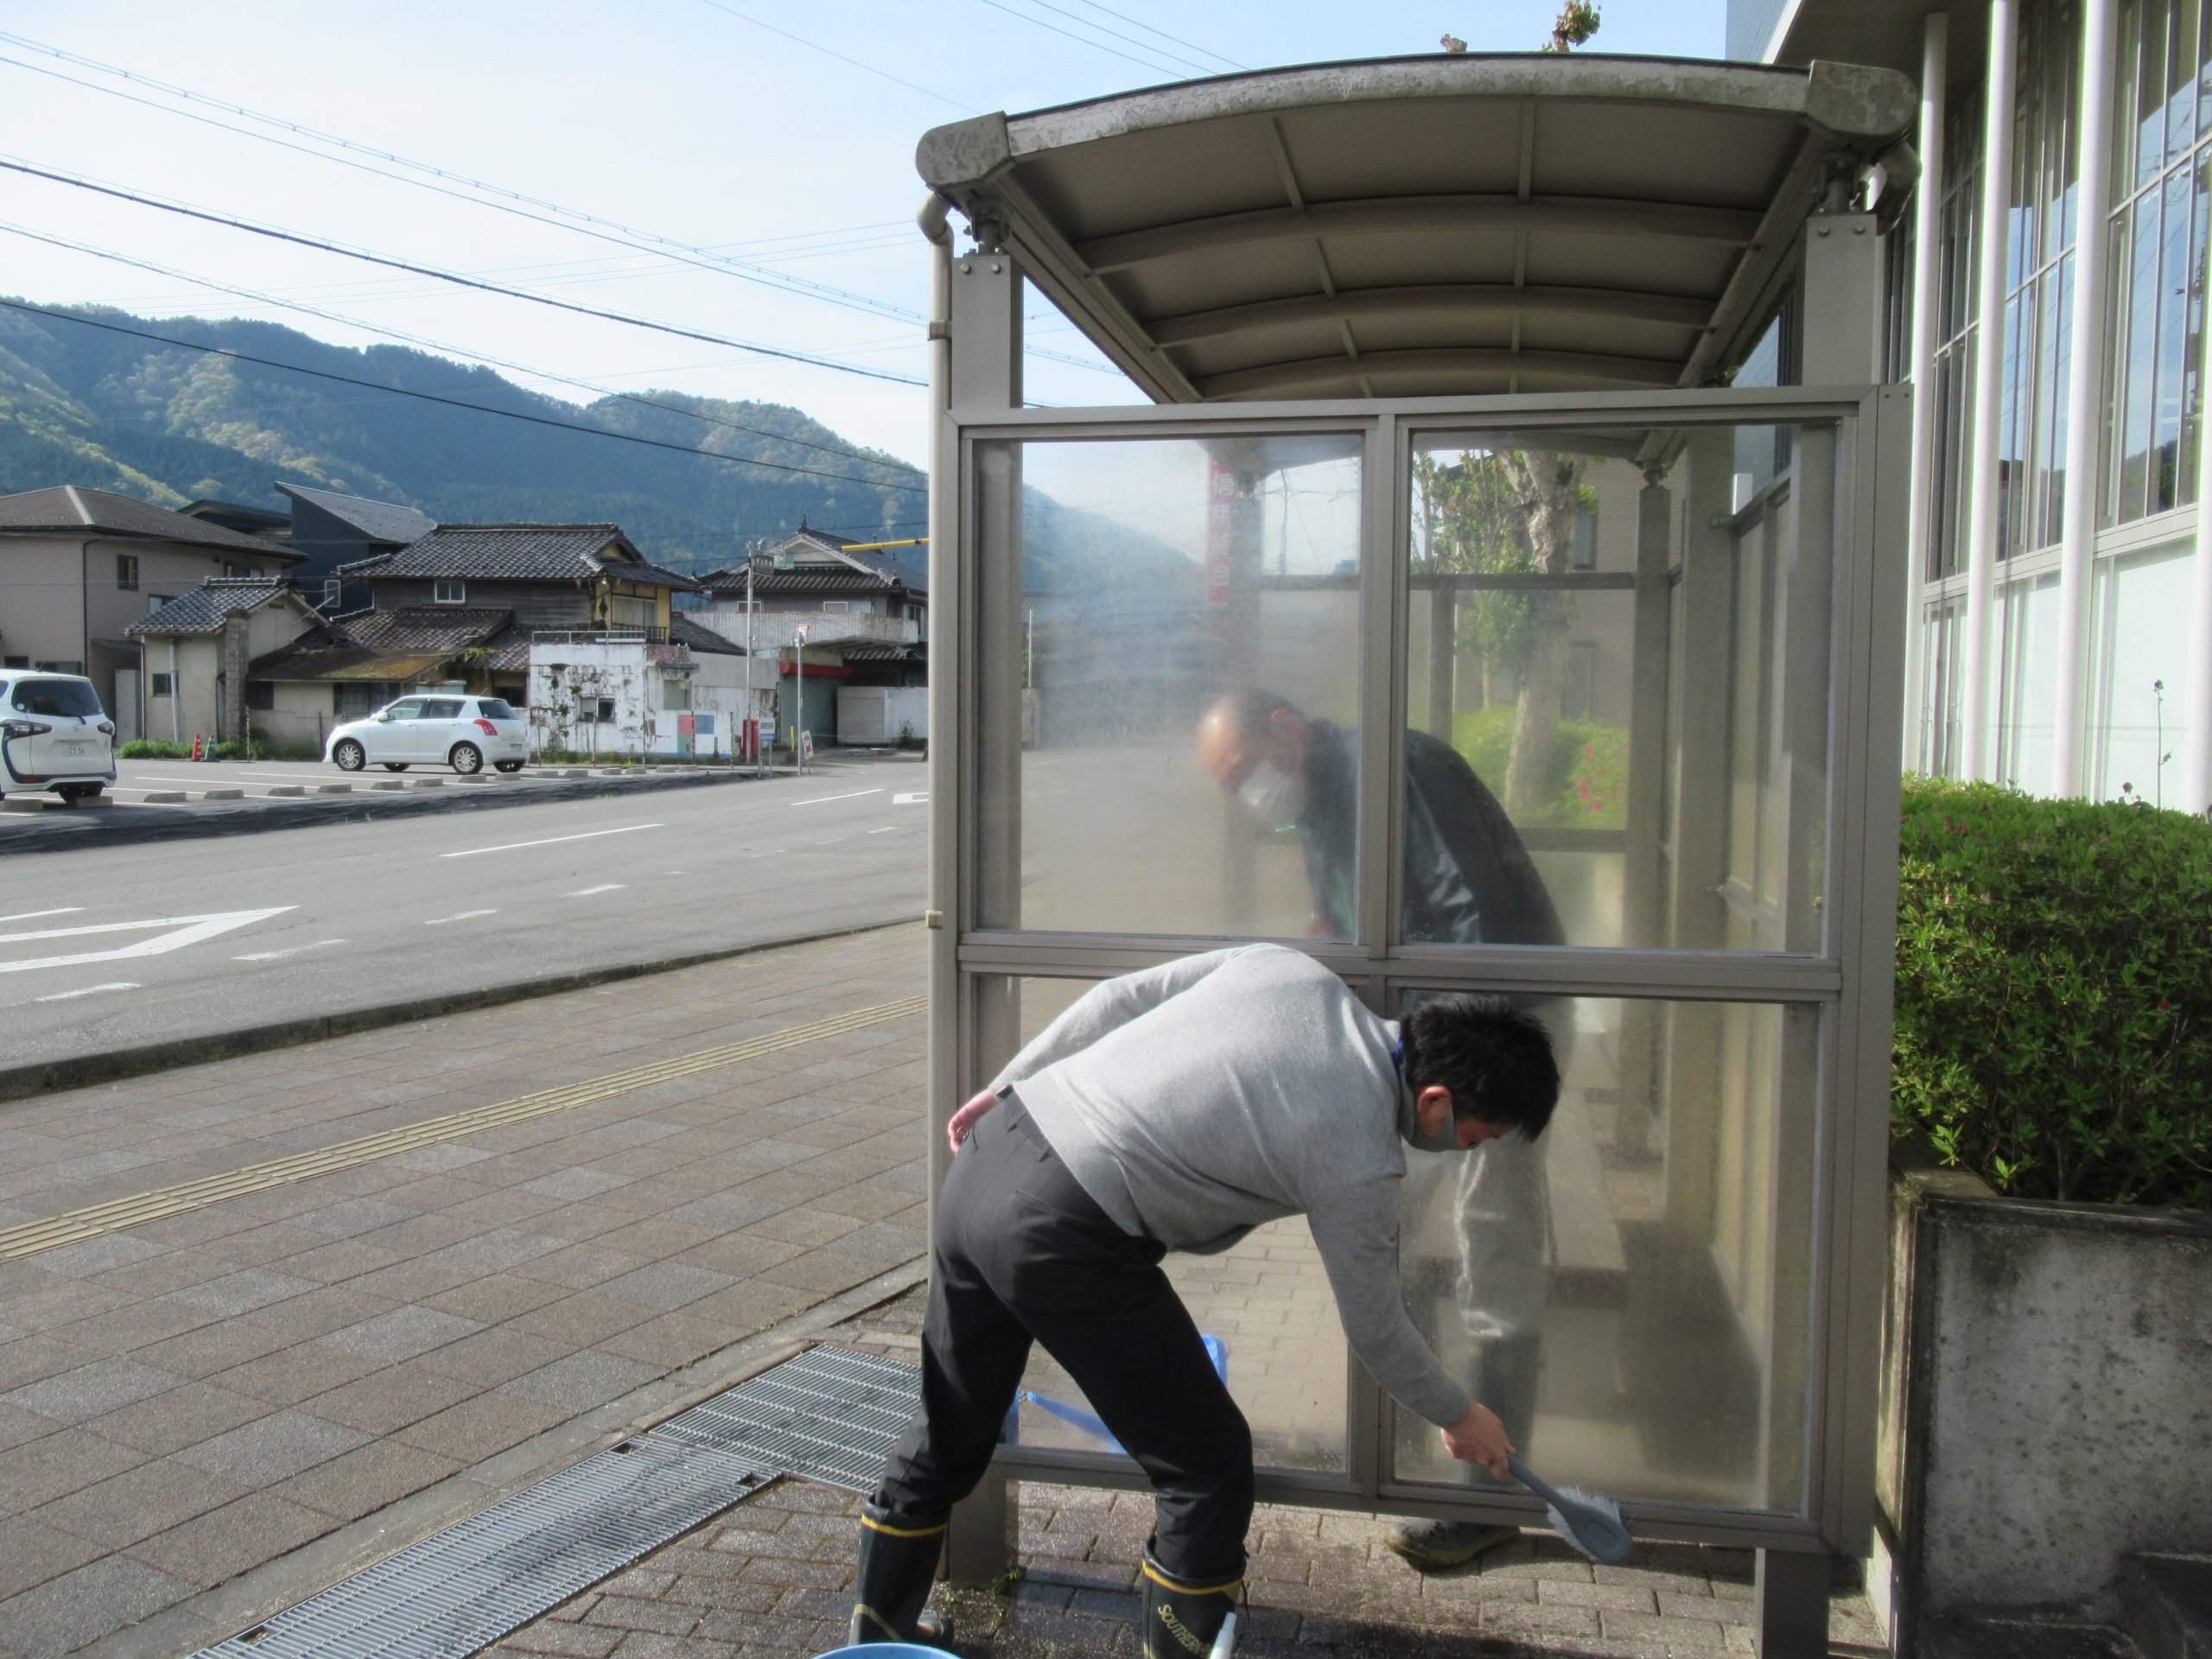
<point>1467,879</point>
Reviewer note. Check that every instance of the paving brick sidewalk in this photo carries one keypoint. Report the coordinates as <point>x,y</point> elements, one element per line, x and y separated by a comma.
<point>770,1579</point>
<point>395,1343</point>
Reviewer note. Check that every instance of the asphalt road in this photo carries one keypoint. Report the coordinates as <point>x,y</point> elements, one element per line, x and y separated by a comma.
<point>117,947</point>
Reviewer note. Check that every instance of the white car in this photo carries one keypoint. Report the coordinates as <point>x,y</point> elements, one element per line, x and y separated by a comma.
<point>466,734</point>
<point>54,734</point>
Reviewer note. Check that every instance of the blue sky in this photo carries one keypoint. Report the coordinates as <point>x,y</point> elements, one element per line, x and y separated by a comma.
<point>777,133</point>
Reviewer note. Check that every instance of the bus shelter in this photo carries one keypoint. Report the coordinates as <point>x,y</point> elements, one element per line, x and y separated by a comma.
<point>1451,452</point>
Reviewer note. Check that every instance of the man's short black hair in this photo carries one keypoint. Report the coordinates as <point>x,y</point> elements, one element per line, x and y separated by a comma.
<point>1496,1060</point>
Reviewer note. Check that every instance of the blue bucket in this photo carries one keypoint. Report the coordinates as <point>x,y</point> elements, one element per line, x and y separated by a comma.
<point>887,1651</point>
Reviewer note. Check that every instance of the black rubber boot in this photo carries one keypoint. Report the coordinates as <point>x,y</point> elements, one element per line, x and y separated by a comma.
<point>1182,1619</point>
<point>898,1566</point>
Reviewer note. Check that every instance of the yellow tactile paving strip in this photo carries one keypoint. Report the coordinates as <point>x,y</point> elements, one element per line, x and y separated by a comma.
<point>31,1237</point>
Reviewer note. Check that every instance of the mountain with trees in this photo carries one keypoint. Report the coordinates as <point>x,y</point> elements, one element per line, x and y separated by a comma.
<point>109,407</point>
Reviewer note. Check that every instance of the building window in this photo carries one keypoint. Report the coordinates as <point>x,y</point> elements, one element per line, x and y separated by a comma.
<point>1578,691</point>
<point>1583,554</point>
<point>2158,231</point>
<point>836,605</point>
<point>261,695</point>
<point>14,662</point>
<point>231,569</point>
<point>676,693</point>
<point>333,590</point>
<point>126,572</point>
<point>449,593</point>
<point>354,700</point>
<point>154,602</point>
<point>164,684</point>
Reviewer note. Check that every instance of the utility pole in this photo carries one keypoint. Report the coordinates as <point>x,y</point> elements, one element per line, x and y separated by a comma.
<point>752,551</point>
<point>798,699</point>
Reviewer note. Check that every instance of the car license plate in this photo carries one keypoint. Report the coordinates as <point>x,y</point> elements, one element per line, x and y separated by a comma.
<point>77,747</point>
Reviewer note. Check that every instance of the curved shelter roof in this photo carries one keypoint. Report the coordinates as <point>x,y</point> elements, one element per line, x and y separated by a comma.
<point>1457,225</point>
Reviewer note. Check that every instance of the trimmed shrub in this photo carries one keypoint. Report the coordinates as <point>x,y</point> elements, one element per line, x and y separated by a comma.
<point>2054,1008</point>
<point>1586,774</point>
<point>148,748</point>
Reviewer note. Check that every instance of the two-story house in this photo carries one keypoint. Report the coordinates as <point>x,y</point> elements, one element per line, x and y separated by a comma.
<point>79,566</point>
<point>862,610</point>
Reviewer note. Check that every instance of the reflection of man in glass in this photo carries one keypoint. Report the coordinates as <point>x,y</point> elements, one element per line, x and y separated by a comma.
<point>1467,879</point>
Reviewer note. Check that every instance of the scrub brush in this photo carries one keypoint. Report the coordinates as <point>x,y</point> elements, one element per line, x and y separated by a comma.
<point>1592,1525</point>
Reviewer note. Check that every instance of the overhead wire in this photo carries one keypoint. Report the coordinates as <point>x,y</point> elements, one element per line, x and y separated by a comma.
<point>450,402</point>
<point>1141,63</point>
<point>451,350</point>
<point>1150,30</point>
<point>1173,57</point>
<point>274,233</point>
<point>817,46</point>
<point>683,253</point>
<point>583,224</point>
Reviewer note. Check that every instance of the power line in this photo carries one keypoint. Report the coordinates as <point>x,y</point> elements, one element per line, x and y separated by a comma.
<point>1162,33</point>
<point>451,350</point>
<point>450,402</point>
<point>1141,63</point>
<point>815,46</point>
<point>455,278</point>
<point>1173,57</point>
<point>583,223</point>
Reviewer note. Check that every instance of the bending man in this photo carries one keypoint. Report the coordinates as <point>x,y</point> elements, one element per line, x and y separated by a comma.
<point>1179,1109</point>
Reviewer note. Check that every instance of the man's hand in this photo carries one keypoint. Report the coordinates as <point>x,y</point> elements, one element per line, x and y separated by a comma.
<point>966,1118</point>
<point>1478,1437</point>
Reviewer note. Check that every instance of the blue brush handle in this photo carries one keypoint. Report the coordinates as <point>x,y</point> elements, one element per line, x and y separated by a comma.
<point>1527,1476</point>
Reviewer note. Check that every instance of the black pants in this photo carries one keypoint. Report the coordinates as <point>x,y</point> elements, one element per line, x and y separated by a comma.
<point>1023,1254</point>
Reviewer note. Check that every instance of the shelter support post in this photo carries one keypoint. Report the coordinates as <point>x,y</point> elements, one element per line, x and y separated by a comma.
<point>1790,1607</point>
<point>983,326</point>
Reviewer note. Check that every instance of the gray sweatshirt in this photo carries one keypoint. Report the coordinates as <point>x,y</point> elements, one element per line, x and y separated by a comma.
<point>1196,1100</point>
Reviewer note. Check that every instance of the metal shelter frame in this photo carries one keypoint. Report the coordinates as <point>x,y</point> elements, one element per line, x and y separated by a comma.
<point>1846,472</point>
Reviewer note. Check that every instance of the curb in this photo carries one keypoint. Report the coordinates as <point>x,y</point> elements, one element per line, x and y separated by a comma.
<point>52,1076</point>
<point>59,831</point>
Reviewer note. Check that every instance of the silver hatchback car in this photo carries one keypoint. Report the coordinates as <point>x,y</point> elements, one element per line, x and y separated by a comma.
<point>54,734</point>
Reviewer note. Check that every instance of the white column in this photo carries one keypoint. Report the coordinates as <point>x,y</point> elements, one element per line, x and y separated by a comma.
<point>1988,388</point>
<point>1927,325</point>
<point>2196,748</point>
<point>2085,381</point>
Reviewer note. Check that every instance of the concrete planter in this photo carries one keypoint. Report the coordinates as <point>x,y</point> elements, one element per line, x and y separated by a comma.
<point>2046,1403</point>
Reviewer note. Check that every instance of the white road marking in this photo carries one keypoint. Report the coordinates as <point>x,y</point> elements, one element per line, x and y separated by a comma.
<point>818,799</point>
<point>917,797</point>
<point>188,929</point>
<point>89,990</point>
<point>26,915</point>
<point>586,892</point>
<point>202,779</point>
<point>293,950</point>
<point>516,846</point>
<point>886,830</point>
<point>463,916</point>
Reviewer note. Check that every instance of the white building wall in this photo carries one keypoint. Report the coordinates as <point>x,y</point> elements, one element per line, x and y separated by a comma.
<point>612,697</point>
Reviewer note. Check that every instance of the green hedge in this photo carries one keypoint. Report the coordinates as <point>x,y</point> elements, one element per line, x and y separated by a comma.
<point>1585,775</point>
<point>2053,1009</point>
<point>151,748</point>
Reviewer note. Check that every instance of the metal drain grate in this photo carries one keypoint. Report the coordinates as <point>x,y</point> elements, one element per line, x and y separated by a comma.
<point>828,1415</point>
<point>464,1588</point>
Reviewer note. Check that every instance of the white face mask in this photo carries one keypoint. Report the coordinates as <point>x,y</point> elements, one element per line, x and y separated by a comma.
<point>1274,798</point>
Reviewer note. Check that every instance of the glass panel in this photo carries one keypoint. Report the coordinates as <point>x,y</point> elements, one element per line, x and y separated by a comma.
<point>1141,581</point>
<point>2138,711</point>
<point>1266,1301</point>
<point>1538,756</point>
<point>2030,666</point>
<point>2173,336</point>
<point>2139,365</point>
<point>1630,1293</point>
